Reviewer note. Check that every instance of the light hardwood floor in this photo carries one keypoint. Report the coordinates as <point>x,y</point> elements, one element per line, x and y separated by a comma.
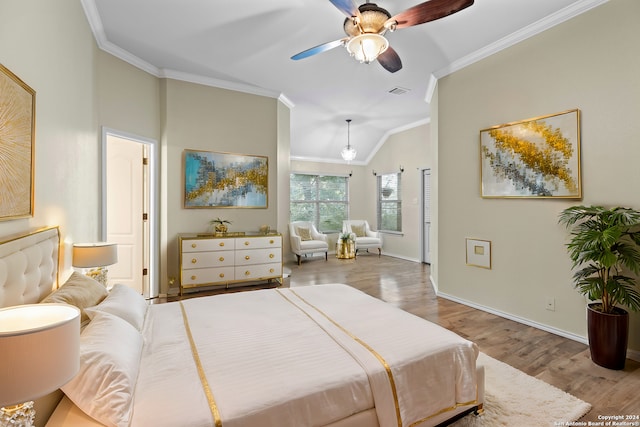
<point>558,361</point>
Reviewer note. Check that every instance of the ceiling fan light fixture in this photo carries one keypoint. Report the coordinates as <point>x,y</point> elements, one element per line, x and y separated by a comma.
<point>366,47</point>
<point>348,153</point>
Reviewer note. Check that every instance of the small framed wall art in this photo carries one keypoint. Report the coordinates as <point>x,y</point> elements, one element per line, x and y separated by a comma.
<point>17,146</point>
<point>533,158</point>
<point>479,253</point>
<point>225,180</point>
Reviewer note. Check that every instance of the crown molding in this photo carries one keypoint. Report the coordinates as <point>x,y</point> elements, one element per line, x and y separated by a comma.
<point>512,39</point>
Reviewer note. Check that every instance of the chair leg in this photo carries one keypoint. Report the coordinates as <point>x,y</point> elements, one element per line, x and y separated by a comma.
<point>298,259</point>
<point>326,256</point>
<point>379,252</point>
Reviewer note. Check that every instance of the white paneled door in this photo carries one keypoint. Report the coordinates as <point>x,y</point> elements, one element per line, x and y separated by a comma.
<point>126,208</point>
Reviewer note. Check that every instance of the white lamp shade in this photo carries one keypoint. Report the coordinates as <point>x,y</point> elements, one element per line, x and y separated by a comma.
<point>89,255</point>
<point>39,350</point>
<point>348,153</point>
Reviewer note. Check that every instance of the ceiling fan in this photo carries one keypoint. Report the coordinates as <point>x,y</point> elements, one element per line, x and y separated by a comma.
<point>366,25</point>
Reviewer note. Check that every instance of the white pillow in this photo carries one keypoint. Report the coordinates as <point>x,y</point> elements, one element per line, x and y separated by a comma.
<point>110,350</point>
<point>125,303</point>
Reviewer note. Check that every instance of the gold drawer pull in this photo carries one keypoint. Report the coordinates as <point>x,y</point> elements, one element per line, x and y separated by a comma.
<point>271,270</point>
<point>194,245</point>
<point>247,273</point>
<point>271,255</point>
<point>193,261</point>
<point>221,275</point>
<point>221,243</point>
<point>193,277</point>
<point>271,241</point>
<point>247,257</point>
<point>246,243</point>
<point>221,258</point>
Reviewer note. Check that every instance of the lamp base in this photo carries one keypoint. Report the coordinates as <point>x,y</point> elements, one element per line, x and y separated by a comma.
<point>22,415</point>
<point>98,274</point>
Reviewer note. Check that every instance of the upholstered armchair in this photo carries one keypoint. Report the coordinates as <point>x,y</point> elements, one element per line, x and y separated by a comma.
<point>305,239</point>
<point>364,237</point>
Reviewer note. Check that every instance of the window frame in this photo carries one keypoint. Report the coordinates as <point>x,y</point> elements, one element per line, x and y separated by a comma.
<point>317,202</point>
<point>381,200</point>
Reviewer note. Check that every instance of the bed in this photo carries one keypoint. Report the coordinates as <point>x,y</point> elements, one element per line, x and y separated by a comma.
<point>320,355</point>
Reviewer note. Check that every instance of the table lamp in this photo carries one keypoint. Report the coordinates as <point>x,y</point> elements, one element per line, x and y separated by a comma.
<point>96,257</point>
<point>39,353</point>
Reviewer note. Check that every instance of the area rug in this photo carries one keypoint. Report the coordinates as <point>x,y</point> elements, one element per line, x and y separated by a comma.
<point>513,398</point>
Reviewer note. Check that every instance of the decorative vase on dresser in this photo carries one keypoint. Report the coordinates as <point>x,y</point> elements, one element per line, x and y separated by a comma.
<point>221,260</point>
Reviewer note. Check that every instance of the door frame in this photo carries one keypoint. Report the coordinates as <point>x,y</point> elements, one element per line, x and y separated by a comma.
<point>154,202</point>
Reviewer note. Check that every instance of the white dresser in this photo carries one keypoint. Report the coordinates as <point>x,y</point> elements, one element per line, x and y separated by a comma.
<point>210,260</point>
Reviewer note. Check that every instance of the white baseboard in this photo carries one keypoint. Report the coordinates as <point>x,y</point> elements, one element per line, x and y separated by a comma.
<point>400,257</point>
<point>631,354</point>
<point>518,319</point>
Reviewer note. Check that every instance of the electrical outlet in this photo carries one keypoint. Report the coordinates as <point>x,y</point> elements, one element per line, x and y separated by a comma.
<point>550,304</point>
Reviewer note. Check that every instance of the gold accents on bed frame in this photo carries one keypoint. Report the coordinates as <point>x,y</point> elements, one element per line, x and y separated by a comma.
<point>478,409</point>
<point>377,355</point>
<point>203,378</point>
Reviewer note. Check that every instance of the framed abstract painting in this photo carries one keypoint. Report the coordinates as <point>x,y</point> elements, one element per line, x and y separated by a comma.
<point>17,150</point>
<point>533,158</point>
<point>225,180</point>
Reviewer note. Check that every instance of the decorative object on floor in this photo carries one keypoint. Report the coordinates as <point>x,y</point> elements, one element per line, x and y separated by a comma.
<point>225,180</point>
<point>533,158</point>
<point>305,240</point>
<point>479,253</point>
<point>345,246</point>
<point>348,153</point>
<point>17,130</point>
<point>363,235</point>
<point>604,243</point>
<point>513,398</point>
<point>40,348</point>
<point>367,24</point>
<point>96,257</point>
<point>220,225</point>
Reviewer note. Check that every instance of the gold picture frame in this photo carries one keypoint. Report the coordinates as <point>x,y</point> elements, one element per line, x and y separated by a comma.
<point>478,253</point>
<point>225,180</point>
<point>17,146</point>
<point>532,158</point>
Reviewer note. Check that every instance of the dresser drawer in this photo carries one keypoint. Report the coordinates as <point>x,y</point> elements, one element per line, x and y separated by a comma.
<point>192,260</point>
<point>258,242</point>
<point>261,271</point>
<point>203,276</point>
<point>201,245</point>
<point>258,256</point>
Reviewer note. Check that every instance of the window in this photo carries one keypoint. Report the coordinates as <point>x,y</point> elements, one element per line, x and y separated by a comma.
<point>323,200</point>
<point>389,202</point>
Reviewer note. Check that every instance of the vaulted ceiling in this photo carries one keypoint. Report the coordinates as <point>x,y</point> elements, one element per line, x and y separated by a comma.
<point>246,45</point>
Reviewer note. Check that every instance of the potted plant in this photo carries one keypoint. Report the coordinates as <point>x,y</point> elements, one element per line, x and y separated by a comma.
<point>604,245</point>
<point>220,225</point>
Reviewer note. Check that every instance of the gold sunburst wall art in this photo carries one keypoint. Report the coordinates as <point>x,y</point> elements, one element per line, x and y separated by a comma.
<point>17,135</point>
<point>533,158</point>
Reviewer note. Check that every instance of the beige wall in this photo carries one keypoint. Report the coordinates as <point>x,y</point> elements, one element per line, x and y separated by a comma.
<point>410,149</point>
<point>205,118</point>
<point>588,63</point>
<point>50,47</point>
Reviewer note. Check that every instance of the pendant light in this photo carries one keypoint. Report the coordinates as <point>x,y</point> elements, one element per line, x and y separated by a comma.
<point>348,153</point>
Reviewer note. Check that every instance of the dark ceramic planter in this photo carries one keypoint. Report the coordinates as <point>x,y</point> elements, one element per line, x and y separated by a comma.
<point>608,335</point>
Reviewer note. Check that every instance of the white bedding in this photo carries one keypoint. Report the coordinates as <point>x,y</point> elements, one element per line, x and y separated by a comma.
<point>307,356</point>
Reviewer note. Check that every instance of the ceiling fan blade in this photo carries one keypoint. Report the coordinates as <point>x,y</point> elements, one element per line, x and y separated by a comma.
<point>390,60</point>
<point>318,49</point>
<point>428,11</point>
<point>346,6</point>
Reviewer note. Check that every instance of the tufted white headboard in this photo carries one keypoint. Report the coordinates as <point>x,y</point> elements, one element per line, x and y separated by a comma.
<point>29,266</point>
